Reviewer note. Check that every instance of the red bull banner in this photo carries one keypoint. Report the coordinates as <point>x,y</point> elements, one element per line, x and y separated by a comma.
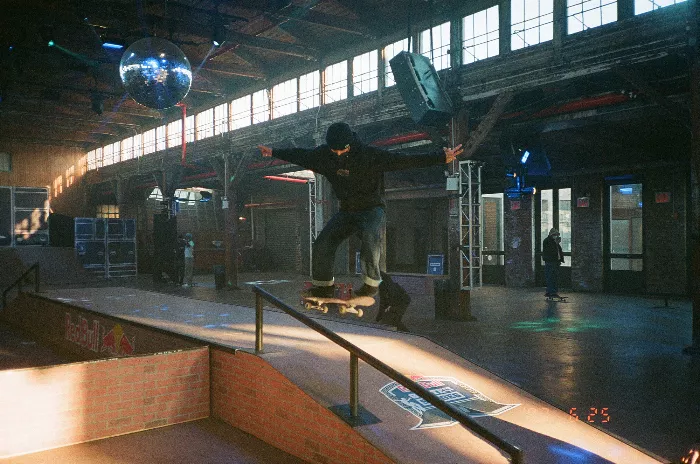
<point>97,337</point>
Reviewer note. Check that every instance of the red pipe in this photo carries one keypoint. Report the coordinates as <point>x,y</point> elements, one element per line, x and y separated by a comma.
<point>405,138</point>
<point>577,105</point>
<point>287,179</point>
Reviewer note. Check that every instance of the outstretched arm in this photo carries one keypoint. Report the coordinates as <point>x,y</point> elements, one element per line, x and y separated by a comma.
<point>452,153</point>
<point>394,161</point>
<point>306,158</point>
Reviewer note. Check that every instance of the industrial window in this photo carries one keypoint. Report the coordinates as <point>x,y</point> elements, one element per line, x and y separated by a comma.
<point>284,98</point>
<point>175,133</point>
<point>391,51</point>
<point>111,154</point>
<point>365,73</point>
<point>221,119</point>
<point>240,112</point>
<point>161,138</point>
<point>92,160</point>
<point>189,129</point>
<point>586,14</point>
<point>138,145</point>
<point>335,82</point>
<point>70,176</point>
<point>644,6</point>
<point>156,195</point>
<point>186,197</point>
<point>309,90</point>
<point>205,124</point>
<point>127,149</point>
<point>261,106</point>
<point>57,186</point>
<point>480,35</point>
<point>149,141</point>
<point>531,22</point>
<point>107,211</point>
<point>5,162</point>
<point>82,165</point>
<point>435,44</point>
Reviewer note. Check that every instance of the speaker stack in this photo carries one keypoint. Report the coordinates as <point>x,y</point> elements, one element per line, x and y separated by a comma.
<point>421,89</point>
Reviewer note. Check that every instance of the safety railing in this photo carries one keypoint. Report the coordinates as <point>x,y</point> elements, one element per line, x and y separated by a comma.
<point>20,280</point>
<point>356,353</point>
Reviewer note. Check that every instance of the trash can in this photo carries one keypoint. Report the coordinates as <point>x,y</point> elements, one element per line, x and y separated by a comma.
<point>220,276</point>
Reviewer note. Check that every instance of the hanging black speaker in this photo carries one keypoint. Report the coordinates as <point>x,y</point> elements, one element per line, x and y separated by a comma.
<point>421,90</point>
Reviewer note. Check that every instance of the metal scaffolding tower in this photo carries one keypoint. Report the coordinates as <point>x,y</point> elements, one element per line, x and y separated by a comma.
<point>312,219</point>
<point>470,232</point>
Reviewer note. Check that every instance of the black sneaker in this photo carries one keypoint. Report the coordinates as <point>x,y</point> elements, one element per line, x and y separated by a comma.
<point>321,292</point>
<point>366,290</point>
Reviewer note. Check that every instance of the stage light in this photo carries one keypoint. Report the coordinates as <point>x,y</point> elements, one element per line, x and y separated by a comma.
<point>51,43</point>
<point>526,155</point>
<point>218,36</point>
<point>112,46</point>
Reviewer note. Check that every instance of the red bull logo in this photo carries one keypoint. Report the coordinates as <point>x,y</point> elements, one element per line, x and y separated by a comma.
<point>96,338</point>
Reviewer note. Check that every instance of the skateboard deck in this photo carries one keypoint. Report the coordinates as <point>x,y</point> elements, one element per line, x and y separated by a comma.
<point>556,298</point>
<point>344,306</point>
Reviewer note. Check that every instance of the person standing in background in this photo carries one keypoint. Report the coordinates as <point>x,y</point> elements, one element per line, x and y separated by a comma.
<point>189,260</point>
<point>553,257</point>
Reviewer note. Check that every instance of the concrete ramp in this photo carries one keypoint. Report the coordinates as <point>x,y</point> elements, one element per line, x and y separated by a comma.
<point>403,427</point>
<point>58,265</point>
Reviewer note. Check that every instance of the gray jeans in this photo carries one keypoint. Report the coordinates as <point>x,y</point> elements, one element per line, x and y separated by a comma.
<point>367,224</point>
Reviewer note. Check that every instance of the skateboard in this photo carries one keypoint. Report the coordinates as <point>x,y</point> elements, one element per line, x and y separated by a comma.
<point>556,298</point>
<point>344,306</point>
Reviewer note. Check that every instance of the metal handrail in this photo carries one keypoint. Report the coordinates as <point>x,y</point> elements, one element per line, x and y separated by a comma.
<point>18,282</point>
<point>356,352</point>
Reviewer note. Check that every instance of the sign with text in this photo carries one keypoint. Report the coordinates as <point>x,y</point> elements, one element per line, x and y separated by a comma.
<point>436,264</point>
<point>663,197</point>
<point>460,395</point>
<point>583,202</point>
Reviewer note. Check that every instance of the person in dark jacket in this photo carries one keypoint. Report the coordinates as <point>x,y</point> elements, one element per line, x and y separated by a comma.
<point>393,302</point>
<point>553,256</point>
<point>356,173</point>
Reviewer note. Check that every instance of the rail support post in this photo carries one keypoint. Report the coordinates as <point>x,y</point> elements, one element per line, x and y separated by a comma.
<point>258,323</point>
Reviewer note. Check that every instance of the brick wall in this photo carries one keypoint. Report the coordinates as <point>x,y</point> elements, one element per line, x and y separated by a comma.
<point>665,232</point>
<point>587,235</point>
<point>48,407</point>
<point>249,394</point>
<point>518,233</point>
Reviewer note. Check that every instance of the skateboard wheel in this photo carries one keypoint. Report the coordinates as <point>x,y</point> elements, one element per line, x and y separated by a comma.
<point>342,310</point>
<point>359,312</point>
<point>308,305</point>
<point>323,309</point>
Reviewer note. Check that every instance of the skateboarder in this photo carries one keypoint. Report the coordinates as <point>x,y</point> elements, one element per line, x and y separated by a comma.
<point>356,173</point>
<point>553,256</point>
<point>393,302</point>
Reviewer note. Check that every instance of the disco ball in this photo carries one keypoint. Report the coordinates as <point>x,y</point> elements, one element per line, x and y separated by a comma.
<point>155,73</point>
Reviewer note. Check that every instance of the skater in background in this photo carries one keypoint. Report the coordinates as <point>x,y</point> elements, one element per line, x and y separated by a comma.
<point>393,302</point>
<point>553,257</point>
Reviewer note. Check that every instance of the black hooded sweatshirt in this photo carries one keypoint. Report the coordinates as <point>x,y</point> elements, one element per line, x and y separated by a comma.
<point>357,177</point>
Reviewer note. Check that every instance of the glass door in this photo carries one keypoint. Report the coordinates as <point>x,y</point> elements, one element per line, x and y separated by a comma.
<point>625,247</point>
<point>555,212</point>
<point>493,253</point>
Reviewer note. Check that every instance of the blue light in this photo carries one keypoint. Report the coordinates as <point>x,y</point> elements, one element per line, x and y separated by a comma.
<point>526,155</point>
<point>11,47</point>
<point>51,43</point>
<point>112,46</point>
<point>626,190</point>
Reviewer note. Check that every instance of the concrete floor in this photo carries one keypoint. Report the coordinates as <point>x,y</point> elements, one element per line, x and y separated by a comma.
<point>596,351</point>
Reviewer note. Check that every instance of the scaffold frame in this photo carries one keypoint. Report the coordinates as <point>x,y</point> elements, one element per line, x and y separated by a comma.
<point>470,227</point>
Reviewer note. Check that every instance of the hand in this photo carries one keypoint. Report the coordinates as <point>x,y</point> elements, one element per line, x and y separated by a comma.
<point>693,456</point>
<point>452,153</point>
<point>266,151</point>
